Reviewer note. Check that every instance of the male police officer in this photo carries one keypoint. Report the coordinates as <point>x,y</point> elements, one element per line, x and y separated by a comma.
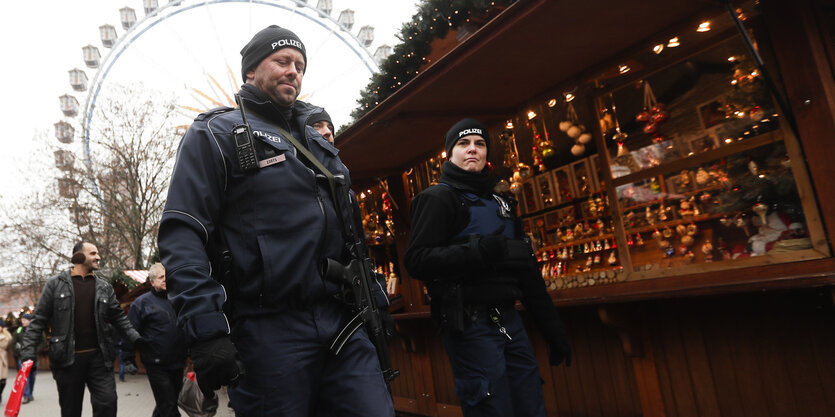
<point>277,223</point>
<point>323,124</point>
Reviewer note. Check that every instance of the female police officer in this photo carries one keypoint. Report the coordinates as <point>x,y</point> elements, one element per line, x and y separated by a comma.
<point>466,244</point>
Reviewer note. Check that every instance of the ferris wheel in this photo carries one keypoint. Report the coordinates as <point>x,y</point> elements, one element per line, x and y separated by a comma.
<point>190,48</point>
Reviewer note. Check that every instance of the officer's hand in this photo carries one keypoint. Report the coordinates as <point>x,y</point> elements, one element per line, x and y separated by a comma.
<point>493,247</point>
<point>215,363</point>
<point>388,324</point>
<point>560,349</point>
<point>131,368</point>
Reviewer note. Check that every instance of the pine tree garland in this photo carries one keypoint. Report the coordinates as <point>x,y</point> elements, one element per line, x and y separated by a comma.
<point>433,21</point>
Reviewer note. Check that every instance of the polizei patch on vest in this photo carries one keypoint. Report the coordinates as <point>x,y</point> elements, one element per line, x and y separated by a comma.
<point>271,161</point>
<point>471,131</point>
<point>287,42</point>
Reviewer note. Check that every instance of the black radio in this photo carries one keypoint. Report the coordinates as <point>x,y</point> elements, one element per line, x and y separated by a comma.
<point>244,147</point>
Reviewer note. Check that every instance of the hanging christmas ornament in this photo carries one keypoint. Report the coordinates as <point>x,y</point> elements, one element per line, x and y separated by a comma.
<point>584,138</point>
<point>543,147</point>
<point>653,112</point>
<point>565,125</point>
<point>574,130</point>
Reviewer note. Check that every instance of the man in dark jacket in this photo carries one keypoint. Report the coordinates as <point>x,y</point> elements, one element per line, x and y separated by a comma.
<point>77,306</point>
<point>155,319</point>
<point>466,243</point>
<point>261,203</point>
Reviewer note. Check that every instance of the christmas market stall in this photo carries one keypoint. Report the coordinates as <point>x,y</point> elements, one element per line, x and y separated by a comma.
<point>671,163</point>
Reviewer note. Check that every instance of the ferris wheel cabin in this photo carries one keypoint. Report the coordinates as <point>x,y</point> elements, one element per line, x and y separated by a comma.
<point>69,105</point>
<point>64,132</point>
<point>78,79</point>
<point>91,56</point>
<point>128,17</point>
<point>108,35</point>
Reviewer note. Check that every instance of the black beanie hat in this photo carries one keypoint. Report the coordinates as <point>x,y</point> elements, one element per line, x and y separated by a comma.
<point>264,43</point>
<point>319,117</point>
<point>463,128</point>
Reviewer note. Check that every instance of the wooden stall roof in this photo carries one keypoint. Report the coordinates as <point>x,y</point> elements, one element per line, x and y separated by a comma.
<point>529,49</point>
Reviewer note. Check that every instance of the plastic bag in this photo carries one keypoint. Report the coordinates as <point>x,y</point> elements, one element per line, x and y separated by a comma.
<point>13,405</point>
<point>192,400</point>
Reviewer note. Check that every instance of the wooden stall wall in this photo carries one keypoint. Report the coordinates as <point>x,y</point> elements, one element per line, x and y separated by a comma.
<point>755,354</point>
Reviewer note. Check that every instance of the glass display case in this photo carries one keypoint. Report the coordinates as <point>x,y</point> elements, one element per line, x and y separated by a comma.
<point>706,174</point>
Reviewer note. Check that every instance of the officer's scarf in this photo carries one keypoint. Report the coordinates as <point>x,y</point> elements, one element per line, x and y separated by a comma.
<point>478,183</point>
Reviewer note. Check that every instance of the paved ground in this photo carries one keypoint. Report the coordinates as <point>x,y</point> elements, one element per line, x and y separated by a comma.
<point>135,398</point>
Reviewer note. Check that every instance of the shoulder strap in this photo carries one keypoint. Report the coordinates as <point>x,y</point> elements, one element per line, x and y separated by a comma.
<point>310,158</point>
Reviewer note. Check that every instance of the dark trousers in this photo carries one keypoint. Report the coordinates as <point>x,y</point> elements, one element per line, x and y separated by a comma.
<point>495,376</point>
<point>88,369</point>
<point>291,373</point>
<point>166,385</point>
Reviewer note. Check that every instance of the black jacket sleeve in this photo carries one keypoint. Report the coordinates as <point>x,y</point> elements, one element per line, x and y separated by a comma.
<point>33,335</point>
<point>117,317</point>
<point>191,211</point>
<point>431,254</point>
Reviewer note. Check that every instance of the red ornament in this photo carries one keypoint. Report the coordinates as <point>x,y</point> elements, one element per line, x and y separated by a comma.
<point>642,116</point>
<point>650,128</point>
<point>658,117</point>
<point>657,138</point>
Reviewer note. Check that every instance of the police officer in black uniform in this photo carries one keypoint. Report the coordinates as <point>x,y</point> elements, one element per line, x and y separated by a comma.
<point>252,206</point>
<point>466,244</point>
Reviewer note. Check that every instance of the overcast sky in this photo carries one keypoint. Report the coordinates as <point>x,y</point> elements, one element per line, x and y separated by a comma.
<point>42,41</point>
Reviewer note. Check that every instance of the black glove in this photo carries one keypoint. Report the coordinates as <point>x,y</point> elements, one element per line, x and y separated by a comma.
<point>560,349</point>
<point>131,368</point>
<point>493,247</point>
<point>388,324</point>
<point>215,363</point>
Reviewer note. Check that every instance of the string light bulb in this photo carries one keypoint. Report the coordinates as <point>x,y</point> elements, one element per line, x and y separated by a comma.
<point>552,102</point>
<point>531,114</point>
<point>509,124</point>
<point>623,69</point>
<point>658,48</point>
<point>569,97</point>
<point>673,42</point>
<point>704,26</point>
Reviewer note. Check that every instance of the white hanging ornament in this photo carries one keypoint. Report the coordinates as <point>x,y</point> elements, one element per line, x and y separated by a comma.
<point>578,149</point>
<point>574,132</point>
<point>565,125</point>
<point>584,138</point>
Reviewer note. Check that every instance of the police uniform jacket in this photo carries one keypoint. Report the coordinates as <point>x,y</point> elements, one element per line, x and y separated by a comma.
<point>440,255</point>
<point>56,310</point>
<point>279,223</point>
